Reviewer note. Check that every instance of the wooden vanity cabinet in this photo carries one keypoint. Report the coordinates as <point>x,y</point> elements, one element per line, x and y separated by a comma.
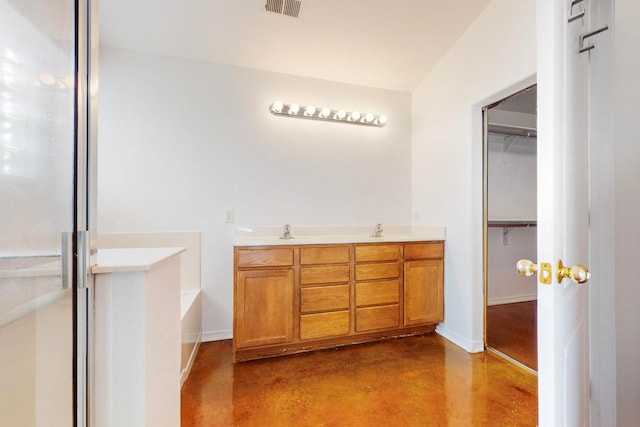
<point>290,299</point>
<point>263,297</point>
<point>325,274</point>
<point>423,283</point>
<point>377,278</point>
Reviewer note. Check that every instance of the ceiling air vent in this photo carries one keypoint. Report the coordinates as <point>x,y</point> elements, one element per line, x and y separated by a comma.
<point>284,7</point>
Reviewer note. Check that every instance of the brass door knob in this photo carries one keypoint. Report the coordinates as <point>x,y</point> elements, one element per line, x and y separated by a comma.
<point>577,273</point>
<point>526,268</point>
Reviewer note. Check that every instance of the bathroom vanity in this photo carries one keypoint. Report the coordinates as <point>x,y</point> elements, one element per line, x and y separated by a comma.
<point>314,292</point>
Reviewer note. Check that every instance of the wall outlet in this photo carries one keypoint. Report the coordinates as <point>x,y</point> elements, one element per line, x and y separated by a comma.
<point>228,215</point>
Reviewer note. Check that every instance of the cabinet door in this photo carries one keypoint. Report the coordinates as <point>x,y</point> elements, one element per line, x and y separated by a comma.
<point>263,307</point>
<point>423,292</point>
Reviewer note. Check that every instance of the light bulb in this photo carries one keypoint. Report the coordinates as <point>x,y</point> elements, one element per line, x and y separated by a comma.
<point>340,115</point>
<point>368,118</point>
<point>324,113</point>
<point>382,119</point>
<point>277,106</point>
<point>310,110</point>
<point>294,108</point>
<point>355,116</point>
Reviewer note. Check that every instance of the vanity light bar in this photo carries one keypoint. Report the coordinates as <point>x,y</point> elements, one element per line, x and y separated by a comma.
<point>327,114</point>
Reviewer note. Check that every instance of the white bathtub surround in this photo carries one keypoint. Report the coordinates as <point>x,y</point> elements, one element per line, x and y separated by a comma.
<point>191,322</point>
<point>189,260</point>
<point>313,235</point>
<point>137,337</point>
<point>190,298</point>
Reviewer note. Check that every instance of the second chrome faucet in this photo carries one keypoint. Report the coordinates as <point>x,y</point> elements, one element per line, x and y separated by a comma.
<point>378,231</point>
<point>286,232</point>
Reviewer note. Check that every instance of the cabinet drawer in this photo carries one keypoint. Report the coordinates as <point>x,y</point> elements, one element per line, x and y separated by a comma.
<point>324,298</point>
<point>387,270</point>
<point>325,274</point>
<point>277,257</point>
<point>332,255</point>
<point>372,293</point>
<point>369,253</point>
<point>424,250</point>
<point>382,317</point>
<point>322,325</point>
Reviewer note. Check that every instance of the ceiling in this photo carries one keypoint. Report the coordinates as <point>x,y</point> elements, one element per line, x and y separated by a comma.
<point>385,44</point>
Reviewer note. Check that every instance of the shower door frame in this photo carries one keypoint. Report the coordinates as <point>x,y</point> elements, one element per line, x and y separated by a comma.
<point>85,206</point>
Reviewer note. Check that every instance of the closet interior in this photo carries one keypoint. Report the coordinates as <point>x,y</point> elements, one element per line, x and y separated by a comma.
<point>511,232</point>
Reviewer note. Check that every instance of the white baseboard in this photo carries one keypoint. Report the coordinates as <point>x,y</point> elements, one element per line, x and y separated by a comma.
<point>460,341</point>
<point>217,335</point>
<point>511,299</point>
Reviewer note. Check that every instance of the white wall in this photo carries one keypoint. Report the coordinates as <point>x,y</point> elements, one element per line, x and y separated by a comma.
<point>493,58</point>
<point>504,284</point>
<point>512,174</point>
<point>182,141</point>
<point>627,210</point>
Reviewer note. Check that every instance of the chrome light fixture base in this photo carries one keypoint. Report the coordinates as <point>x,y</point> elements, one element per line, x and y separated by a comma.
<point>327,114</point>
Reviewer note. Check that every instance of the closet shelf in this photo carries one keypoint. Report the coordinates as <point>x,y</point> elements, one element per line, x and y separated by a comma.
<point>507,225</point>
<point>511,223</point>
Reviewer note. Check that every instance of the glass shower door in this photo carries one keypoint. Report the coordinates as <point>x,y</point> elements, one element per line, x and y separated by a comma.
<point>38,142</point>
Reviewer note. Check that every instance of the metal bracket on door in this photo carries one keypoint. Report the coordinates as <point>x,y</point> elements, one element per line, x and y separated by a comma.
<point>83,267</point>
<point>66,258</point>
<point>581,46</point>
<point>544,275</point>
<point>577,15</point>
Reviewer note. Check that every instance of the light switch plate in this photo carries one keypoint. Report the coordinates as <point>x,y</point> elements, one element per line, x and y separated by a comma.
<point>228,215</point>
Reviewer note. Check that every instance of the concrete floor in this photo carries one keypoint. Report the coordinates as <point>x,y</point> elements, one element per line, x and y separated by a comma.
<point>412,381</point>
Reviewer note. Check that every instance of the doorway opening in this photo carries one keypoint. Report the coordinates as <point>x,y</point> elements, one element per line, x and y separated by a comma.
<point>510,231</point>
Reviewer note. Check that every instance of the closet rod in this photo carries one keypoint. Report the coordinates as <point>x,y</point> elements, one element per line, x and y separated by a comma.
<point>522,134</point>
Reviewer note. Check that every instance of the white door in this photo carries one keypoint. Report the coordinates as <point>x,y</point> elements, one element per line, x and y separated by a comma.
<point>563,209</point>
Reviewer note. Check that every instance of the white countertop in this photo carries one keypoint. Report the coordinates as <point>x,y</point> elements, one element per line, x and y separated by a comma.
<point>132,259</point>
<point>267,236</point>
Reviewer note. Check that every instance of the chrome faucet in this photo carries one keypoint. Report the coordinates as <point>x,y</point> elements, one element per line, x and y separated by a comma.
<point>378,231</point>
<point>286,232</point>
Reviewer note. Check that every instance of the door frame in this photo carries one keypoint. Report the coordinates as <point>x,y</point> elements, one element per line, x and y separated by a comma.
<point>485,210</point>
<point>85,209</point>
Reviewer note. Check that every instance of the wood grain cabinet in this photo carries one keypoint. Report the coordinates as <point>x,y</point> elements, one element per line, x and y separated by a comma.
<point>263,297</point>
<point>423,283</point>
<point>289,299</point>
<point>378,272</point>
<point>325,273</point>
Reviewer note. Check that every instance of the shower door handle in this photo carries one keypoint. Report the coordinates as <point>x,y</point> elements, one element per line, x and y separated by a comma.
<point>66,258</point>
